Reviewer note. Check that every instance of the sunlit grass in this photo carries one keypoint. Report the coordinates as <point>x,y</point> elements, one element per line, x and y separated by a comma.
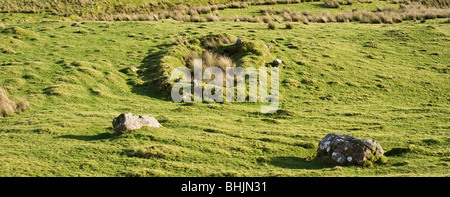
<point>387,82</point>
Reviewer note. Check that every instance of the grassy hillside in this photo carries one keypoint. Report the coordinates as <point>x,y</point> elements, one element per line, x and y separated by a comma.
<point>387,82</point>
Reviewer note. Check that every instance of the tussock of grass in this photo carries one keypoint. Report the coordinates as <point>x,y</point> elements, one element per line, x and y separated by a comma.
<point>20,33</point>
<point>289,25</point>
<point>8,107</point>
<point>10,45</point>
<point>271,25</point>
<point>372,45</point>
<point>331,3</point>
<point>212,41</point>
<point>7,50</point>
<point>291,83</point>
<point>215,60</point>
<point>22,105</point>
<point>212,18</point>
<point>267,11</point>
<point>309,81</point>
<point>102,90</point>
<point>14,83</point>
<point>65,90</point>
<point>383,76</point>
<point>32,77</point>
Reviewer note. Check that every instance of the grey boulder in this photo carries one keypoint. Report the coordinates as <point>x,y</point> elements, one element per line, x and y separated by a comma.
<point>126,122</point>
<point>349,149</point>
<point>277,62</point>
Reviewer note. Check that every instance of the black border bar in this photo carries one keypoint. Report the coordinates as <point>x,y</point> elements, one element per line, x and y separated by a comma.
<point>272,185</point>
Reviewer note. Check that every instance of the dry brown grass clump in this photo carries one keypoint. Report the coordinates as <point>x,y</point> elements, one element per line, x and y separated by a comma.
<point>178,40</point>
<point>9,107</point>
<point>289,25</point>
<point>267,19</point>
<point>152,11</point>
<point>212,41</point>
<point>210,59</point>
<point>223,62</point>
<point>246,18</point>
<point>383,15</point>
<point>331,4</point>
<point>428,3</point>
<point>212,18</point>
<point>237,5</point>
<point>267,11</point>
<point>271,25</point>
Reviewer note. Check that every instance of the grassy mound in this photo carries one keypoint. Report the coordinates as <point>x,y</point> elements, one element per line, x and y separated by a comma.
<point>20,33</point>
<point>9,45</point>
<point>12,39</point>
<point>216,50</point>
<point>79,79</point>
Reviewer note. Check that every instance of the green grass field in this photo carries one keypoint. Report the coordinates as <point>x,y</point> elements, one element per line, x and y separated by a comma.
<point>387,82</point>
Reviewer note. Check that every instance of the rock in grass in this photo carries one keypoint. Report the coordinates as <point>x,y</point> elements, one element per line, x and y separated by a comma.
<point>126,122</point>
<point>134,69</point>
<point>352,150</point>
<point>277,62</point>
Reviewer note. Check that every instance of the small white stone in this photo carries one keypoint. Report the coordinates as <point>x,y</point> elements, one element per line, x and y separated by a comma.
<point>334,154</point>
<point>134,69</point>
<point>349,159</point>
<point>328,149</point>
<point>339,160</point>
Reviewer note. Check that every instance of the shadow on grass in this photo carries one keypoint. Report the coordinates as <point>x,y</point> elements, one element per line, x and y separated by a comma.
<point>149,74</point>
<point>100,136</point>
<point>296,163</point>
<point>321,5</point>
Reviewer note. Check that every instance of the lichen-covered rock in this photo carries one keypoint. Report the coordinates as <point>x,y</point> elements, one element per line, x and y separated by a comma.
<point>126,122</point>
<point>348,149</point>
